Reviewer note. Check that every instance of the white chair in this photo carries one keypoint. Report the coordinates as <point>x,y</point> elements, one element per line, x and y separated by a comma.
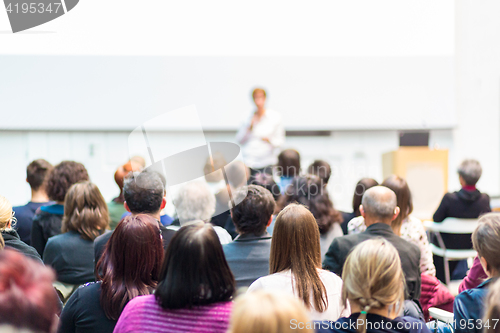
<point>450,225</point>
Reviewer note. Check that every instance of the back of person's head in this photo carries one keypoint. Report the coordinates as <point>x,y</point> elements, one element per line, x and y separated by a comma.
<point>237,174</point>
<point>37,172</point>
<point>27,298</point>
<point>288,163</point>
<point>373,278</point>
<point>264,311</point>
<point>131,263</point>
<point>470,171</point>
<point>143,192</point>
<point>62,176</point>
<point>6,214</point>
<point>309,191</point>
<point>123,170</point>
<point>85,211</point>
<point>255,208</point>
<point>295,246</point>
<point>404,201</point>
<point>363,185</point>
<point>380,203</point>
<point>195,270</point>
<point>321,169</point>
<point>213,168</point>
<point>194,201</point>
<point>492,312</point>
<point>486,241</point>
<point>266,181</point>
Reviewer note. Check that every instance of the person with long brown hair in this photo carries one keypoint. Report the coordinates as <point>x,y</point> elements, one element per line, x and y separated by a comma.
<point>309,191</point>
<point>295,265</point>
<point>71,254</point>
<point>408,227</point>
<point>129,267</point>
<point>374,286</point>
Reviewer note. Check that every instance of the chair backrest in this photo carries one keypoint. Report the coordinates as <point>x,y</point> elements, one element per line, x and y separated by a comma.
<point>452,225</point>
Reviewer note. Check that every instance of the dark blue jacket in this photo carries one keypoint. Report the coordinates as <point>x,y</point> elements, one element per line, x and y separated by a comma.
<point>468,308</point>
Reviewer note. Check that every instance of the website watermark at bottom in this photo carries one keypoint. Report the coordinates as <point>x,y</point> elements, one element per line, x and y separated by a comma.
<point>355,325</point>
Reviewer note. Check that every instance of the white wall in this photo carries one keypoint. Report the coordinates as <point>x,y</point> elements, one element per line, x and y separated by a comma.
<point>352,154</point>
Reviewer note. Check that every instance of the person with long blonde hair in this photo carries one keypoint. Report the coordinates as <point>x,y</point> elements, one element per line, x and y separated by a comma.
<point>492,309</point>
<point>10,237</point>
<point>295,265</point>
<point>265,311</point>
<point>374,286</point>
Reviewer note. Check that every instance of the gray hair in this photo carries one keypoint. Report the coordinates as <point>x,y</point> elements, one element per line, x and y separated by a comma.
<point>470,171</point>
<point>379,201</point>
<point>194,201</point>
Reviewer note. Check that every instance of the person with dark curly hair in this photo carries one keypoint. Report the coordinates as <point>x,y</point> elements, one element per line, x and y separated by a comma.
<point>47,221</point>
<point>309,191</point>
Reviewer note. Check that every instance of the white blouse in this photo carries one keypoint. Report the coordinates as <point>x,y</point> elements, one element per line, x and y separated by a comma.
<point>284,281</point>
<point>412,230</point>
<point>258,153</point>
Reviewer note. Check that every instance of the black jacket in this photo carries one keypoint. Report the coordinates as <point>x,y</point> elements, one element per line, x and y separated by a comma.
<point>465,205</point>
<point>13,241</point>
<point>46,223</point>
<point>408,252</point>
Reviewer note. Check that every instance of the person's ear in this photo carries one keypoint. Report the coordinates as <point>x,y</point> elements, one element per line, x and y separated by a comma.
<point>126,207</point>
<point>270,221</point>
<point>362,211</point>
<point>163,203</point>
<point>26,180</point>
<point>396,213</point>
<point>485,266</point>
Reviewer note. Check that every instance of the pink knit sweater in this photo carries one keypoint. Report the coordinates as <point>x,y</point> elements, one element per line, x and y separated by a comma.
<point>144,314</point>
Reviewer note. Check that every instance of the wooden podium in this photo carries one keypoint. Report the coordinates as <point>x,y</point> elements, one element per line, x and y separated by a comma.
<point>426,172</point>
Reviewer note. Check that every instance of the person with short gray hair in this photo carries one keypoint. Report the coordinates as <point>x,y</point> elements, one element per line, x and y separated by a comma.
<point>379,208</point>
<point>195,202</point>
<point>468,203</point>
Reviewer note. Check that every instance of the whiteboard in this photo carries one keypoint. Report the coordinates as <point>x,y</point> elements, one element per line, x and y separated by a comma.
<point>312,93</point>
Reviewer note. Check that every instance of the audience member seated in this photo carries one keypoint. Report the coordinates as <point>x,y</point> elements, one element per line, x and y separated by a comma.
<point>36,173</point>
<point>374,286</point>
<point>321,169</point>
<point>9,235</point>
<point>248,254</point>
<point>164,218</point>
<point>295,265</point>
<point>238,175</point>
<point>194,292</point>
<point>194,202</point>
<point>27,298</point>
<point>468,203</point>
<point>115,206</point>
<point>288,167</point>
<point>144,194</point>
<point>309,191</point>
<point>406,226</point>
<point>217,184</point>
<point>379,208</point>
<point>263,311</point>
<point>130,267</point>
<point>48,219</point>
<point>71,253</point>
<point>469,305</point>
<point>363,185</point>
<point>492,309</point>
